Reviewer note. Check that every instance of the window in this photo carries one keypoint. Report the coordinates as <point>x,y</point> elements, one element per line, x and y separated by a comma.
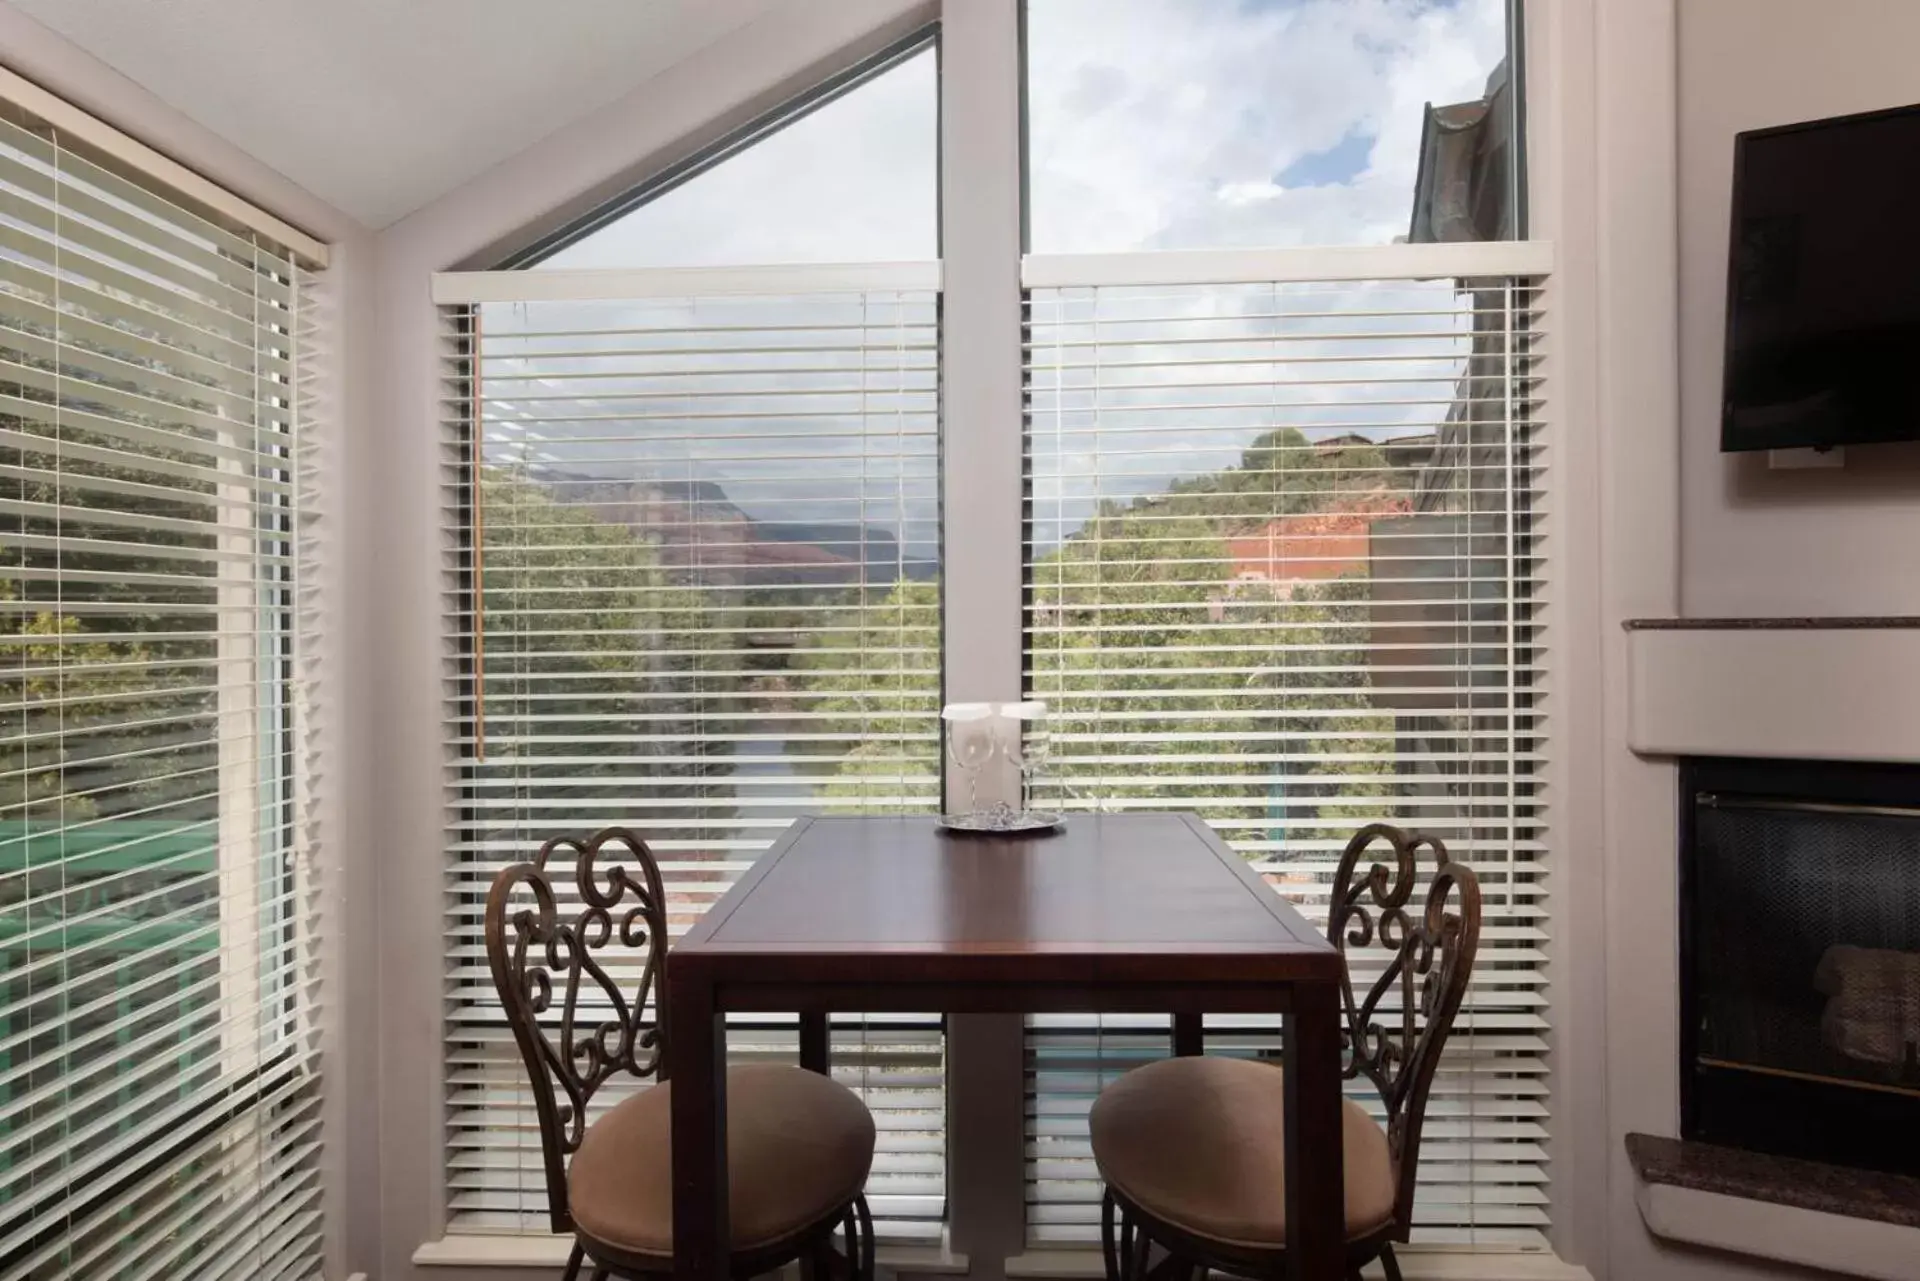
<point>158,1105</point>
<point>1191,124</point>
<point>854,177</point>
<point>695,544</point>
<point>1282,564</point>
<point>1283,554</point>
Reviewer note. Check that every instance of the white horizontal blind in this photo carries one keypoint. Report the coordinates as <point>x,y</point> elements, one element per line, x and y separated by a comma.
<point>159,1111</point>
<point>1282,564</point>
<point>692,586</point>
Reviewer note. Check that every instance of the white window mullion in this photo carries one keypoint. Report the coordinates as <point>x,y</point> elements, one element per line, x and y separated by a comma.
<point>981,203</point>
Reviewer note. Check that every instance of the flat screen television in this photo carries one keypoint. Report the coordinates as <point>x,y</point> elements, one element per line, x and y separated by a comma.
<point>1823,286</point>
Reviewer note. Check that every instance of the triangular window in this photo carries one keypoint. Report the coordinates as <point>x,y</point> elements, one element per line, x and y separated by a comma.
<point>852,179</point>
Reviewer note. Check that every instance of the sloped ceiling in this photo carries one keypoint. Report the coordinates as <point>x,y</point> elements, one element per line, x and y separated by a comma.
<point>380,106</point>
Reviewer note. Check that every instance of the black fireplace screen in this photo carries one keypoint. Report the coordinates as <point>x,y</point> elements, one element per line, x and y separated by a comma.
<point>1801,959</point>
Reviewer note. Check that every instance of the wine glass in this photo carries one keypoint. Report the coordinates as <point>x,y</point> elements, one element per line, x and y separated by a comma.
<point>969,743</point>
<point>1031,744</point>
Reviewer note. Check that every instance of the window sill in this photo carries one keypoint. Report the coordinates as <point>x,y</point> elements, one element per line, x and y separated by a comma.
<point>482,1250</point>
<point>475,1250</point>
<point>1416,1265</point>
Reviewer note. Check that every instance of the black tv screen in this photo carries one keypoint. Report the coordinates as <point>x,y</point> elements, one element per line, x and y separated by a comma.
<point>1823,287</point>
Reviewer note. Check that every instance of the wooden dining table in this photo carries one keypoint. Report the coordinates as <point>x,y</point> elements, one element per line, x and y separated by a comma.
<point>1115,913</point>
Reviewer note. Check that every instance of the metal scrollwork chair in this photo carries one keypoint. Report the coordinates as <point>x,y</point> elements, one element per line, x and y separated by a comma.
<point>1191,1149</point>
<point>578,982</point>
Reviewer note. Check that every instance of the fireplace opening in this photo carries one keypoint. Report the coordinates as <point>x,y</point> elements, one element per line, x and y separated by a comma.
<point>1800,959</point>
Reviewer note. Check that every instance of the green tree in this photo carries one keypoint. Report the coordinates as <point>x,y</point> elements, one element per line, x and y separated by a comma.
<point>1282,473</point>
<point>598,668</point>
<point>1167,680</point>
<point>55,676</point>
<point>876,678</point>
<point>111,602</point>
<point>1197,691</point>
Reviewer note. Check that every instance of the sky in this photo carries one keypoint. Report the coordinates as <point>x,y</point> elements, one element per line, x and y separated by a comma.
<point>1186,124</point>
<point>854,181</point>
<point>1153,124</point>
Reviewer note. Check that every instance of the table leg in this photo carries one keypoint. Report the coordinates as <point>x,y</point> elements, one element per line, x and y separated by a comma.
<point>1316,1184</point>
<point>815,1048</point>
<point>697,1065</point>
<point>1188,1036</point>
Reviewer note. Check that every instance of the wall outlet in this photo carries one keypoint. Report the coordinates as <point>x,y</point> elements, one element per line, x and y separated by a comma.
<point>1806,459</point>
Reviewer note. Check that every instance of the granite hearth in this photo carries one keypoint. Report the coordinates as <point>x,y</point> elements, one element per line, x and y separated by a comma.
<point>1855,1222</point>
<point>1778,1180</point>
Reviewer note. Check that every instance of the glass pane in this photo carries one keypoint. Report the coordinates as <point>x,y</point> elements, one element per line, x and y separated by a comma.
<point>855,181</point>
<point>1190,124</point>
<point>1281,564</point>
<point>708,603</point>
<point>707,588</point>
<point>711,549</point>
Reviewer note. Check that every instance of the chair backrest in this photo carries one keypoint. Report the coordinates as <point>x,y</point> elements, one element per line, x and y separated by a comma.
<point>1426,960</point>
<point>575,1025</point>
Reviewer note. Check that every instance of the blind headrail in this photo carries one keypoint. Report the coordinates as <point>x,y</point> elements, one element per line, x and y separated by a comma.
<point>462,288</point>
<point>83,127</point>
<point>1290,265</point>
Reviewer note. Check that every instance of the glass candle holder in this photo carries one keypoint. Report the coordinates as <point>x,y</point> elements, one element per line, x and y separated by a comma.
<point>971,743</point>
<point>1029,743</point>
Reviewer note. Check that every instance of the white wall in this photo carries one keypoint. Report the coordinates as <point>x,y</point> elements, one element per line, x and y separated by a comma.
<point>1561,123</point>
<point>1682,528</point>
<point>1754,541</point>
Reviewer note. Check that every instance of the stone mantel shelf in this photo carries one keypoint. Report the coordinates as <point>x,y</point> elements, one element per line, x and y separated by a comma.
<point>1836,689</point>
<point>1888,622</point>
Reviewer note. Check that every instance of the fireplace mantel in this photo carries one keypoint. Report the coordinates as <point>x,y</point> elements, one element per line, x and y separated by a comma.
<point>1841,689</point>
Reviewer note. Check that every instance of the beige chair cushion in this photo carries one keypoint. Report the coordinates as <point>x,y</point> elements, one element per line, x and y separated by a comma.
<point>798,1148</point>
<point>1200,1143</point>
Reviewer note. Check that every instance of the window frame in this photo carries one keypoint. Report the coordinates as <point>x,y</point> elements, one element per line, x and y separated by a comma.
<point>976,36</point>
<point>716,153</point>
<point>263,927</point>
<point>923,40</point>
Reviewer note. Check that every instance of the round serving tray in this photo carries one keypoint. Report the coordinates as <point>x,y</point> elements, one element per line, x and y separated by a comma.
<point>1003,822</point>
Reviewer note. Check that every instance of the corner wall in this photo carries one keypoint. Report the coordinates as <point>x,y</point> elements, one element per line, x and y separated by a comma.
<point>1683,529</point>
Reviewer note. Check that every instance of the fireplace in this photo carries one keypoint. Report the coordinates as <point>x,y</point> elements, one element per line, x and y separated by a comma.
<point>1800,959</point>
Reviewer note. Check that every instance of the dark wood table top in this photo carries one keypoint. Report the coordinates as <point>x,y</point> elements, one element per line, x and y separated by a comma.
<point>1144,912</point>
<point>1111,896</point>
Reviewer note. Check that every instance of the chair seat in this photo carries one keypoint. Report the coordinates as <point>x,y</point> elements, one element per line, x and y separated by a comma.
<point>1200,1144</point>
<point>798,1148</point>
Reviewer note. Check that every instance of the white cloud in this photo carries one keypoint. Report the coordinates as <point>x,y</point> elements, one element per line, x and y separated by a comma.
<point>1156,123</point>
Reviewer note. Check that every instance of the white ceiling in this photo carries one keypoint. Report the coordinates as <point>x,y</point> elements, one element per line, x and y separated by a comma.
<point>380,106</point>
